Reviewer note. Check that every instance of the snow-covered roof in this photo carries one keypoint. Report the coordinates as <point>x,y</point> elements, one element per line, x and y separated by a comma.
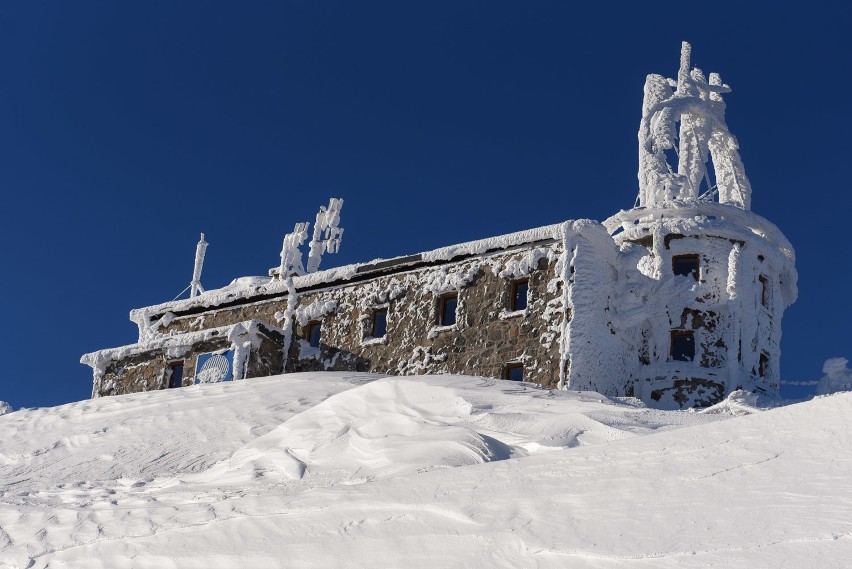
<point>175,342</point>
<point>251,287</point>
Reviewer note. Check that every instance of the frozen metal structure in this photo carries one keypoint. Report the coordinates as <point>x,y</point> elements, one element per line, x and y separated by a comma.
<point>195,284</point>
<point>677,301</point>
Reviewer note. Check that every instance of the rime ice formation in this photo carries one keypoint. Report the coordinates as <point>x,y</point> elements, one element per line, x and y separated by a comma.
<point>326,239</point>
<point>327,234</point>
<point>195,285</point>
<point>744,275</point>
<point>696,105</point>
<point>677,301</point>
<point>291,255</point>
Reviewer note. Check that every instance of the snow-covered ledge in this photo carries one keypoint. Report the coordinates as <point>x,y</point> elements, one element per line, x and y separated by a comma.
<point>242,336</point>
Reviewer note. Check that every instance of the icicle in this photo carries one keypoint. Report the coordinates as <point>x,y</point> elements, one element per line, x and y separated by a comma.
<point>195,285</point>
<point>327,234</point>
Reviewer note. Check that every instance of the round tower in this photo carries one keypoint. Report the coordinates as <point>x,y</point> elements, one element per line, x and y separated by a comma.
<point>703,281</point>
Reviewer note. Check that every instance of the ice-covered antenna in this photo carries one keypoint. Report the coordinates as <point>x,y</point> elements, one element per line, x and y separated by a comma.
<point>195,287</point>
<point>327,234</point>
<point>697,105</point>
<point>291,255</point>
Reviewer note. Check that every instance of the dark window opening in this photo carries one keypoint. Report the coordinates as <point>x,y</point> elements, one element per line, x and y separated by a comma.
<point>514,372</point>
<point>314,333</point>
<point>447,309</point>
<point>380,323</point>
<point>683,346</point>
<point>764,290</point>
<point>763,365</point>
<point>176,376</point>
<point>685,265</point>
<point>518,300</point>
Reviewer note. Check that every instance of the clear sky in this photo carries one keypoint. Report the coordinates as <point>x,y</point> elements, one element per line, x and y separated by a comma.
<point>126,129</point>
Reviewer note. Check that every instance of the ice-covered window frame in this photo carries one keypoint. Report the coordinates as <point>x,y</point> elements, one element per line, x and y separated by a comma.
<point>175,374</point>
<point>513,371</point>
<point>313,332</point>
<point>518,295</point>
<point>764,290</point>
<point>682,346</point>
<point>447,306</point>
<point>686,265</point>
<point>379,322</point>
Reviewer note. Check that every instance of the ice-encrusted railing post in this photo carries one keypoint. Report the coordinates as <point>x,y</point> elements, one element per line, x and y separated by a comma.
<point>195,287</point>
<point>327,234</point>
<point>697,105</point>
<point>291,254</point>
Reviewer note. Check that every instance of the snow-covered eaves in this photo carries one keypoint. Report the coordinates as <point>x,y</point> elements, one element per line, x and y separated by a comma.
<point>176,342</point>
<point>251,289</point>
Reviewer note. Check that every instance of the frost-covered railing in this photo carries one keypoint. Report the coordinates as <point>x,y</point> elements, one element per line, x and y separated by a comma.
<point>713,214</point>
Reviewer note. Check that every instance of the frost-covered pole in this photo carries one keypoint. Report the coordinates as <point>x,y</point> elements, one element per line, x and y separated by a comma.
<point>195,285</point>
<point>683,78</point>
<point>327,234</point>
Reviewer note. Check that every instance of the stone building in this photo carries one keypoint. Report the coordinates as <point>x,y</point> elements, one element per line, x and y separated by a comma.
<point>677,301</point>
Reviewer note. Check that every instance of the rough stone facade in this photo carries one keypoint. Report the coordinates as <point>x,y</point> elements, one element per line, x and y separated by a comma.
<point>150,369</point>
<point>486,337</point>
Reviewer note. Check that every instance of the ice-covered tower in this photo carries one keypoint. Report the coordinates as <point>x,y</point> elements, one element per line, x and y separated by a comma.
<point>703,281</point>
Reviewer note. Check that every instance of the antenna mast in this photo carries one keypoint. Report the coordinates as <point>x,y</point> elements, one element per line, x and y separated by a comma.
<point>195,287</point>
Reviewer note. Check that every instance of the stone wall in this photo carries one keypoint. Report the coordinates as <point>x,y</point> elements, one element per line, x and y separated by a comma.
<point>140,372</point>
<point>150,370</point>
<point>486,336</point>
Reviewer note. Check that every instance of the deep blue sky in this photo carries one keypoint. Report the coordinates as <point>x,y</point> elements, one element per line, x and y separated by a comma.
<point>128,128</point>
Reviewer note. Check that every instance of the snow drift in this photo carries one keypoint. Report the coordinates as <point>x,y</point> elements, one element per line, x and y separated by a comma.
<point>334,470</point>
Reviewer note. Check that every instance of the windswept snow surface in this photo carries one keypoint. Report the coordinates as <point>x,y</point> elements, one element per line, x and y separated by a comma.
<point>357,470</point>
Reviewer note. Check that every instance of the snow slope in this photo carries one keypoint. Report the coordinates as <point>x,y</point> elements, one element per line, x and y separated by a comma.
<point>355,470</point>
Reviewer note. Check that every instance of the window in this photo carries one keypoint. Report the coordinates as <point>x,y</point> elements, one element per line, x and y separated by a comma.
<point>763,366</point>
<point>514,372</point>
<point>380,323</point>
<point>685,265</point>
<point>764,290</point>
<point>518,298</point>
<point>683,346</point>
<point>176,374</point>
<point>314,332</point>
<point>214,367</point>
<point>447,309</point>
